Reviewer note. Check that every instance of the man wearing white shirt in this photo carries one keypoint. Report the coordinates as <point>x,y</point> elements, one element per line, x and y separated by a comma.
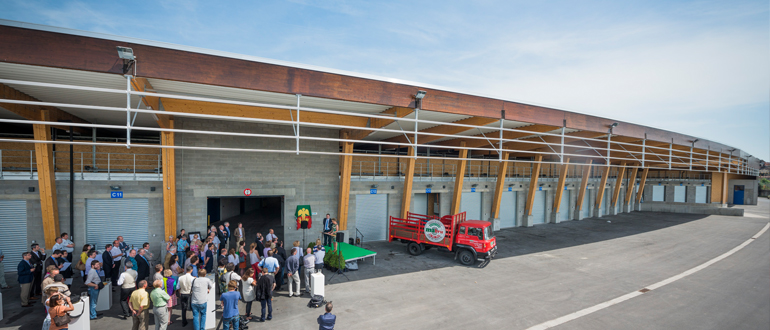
<point>117,257</point>
<point>270,236</point>
<point>69,246</point>
<point>59,244</point>
<point>185,286</point>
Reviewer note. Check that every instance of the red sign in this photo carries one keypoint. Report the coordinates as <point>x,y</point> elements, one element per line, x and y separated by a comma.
<point>247,192</point>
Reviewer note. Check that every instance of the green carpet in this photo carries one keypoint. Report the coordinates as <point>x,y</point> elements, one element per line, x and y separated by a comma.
<point>352,252</point>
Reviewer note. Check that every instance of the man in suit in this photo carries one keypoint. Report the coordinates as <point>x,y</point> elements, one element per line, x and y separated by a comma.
<point>25,272</point>
<point>228,234</point>
<point>327,222</point>
<point>326,321</point>
<point>222,235</point>
<point>240,234</point>
<point>53,260</point>
<point>108,264</point>
<point>37,259</point>
<point>143,267</point>
<point>260,244</point>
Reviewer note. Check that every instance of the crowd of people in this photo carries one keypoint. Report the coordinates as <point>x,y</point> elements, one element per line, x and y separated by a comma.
<point>241,273</point>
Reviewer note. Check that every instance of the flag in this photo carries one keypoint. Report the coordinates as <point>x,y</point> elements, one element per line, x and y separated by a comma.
<point>303,214</point>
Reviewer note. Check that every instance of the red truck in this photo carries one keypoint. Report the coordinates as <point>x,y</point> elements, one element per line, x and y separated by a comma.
<point>469,239</point>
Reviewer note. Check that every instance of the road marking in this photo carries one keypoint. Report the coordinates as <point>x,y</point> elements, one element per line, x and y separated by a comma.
<point>598,307</point>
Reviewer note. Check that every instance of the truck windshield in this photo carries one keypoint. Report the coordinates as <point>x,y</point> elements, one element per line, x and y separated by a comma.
<point>488,234</point>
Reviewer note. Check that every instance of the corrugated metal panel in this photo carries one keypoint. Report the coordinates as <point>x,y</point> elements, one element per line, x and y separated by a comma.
<point>13,226</point>
<point>679,194</point>
<point>372,216</point>
<point>700,194</point>
<point>508,209</point>
<point>563,214</point>
<point>658,193</point>
<point>538,210</point>
<point>585,210</point>
<point>420,203</point>
<point>471,205</point>
<point>106,219</point>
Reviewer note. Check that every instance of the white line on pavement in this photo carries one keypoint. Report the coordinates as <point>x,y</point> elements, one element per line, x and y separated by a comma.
<point>598,307</point>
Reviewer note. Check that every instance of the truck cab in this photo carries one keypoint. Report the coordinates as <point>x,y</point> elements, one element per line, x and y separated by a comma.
<point>474,240</point>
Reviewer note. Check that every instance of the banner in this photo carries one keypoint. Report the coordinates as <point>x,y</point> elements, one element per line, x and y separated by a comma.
<point>303,215</point>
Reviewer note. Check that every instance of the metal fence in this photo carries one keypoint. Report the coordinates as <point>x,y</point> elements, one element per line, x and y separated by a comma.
<point>24,161</point>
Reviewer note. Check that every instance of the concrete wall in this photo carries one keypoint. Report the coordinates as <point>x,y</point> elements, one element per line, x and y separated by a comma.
<point>301,179</point>
<point>750,193</point>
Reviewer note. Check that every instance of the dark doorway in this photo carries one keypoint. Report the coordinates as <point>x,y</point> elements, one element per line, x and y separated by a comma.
<point>257,214</point>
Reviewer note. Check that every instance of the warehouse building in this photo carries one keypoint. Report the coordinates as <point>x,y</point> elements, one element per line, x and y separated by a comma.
<point>104,136</point>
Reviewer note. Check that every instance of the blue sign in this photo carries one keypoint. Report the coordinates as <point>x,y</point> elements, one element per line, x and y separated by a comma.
<point>540,188</point>
<point>659,183</point>
<point>116,194</point>
<point>427,190</point>
<point>473,189</point>
<point>373,191</point>
<point>565,187</point>
<point>702,184</point>
<point>510,188</point>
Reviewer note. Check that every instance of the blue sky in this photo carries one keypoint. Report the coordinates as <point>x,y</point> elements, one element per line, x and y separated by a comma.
<point>696,67</point>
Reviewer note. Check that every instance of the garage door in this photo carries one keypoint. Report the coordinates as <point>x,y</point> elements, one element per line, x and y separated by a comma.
<point>563,214</point>
<point>584,208</point>
<point>679,194</point>
<point>603,205</point>
<point>657,193</point>
<point>372,216</point>
<point>538,210</point>
<point>700,194</point>
<point>13,226</point>
<point>508,209</point>
<point>471,205</point>
<point>420,204</point>
<point>106,219</point>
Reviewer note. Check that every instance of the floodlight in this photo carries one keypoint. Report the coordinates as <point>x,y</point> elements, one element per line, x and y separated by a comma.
<point>126,53</point>
<point>420,95</point>
<point>614,125</point>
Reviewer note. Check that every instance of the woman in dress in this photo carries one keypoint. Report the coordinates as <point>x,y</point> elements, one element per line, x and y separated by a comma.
<point>242,255</point>
<point>232,257</point>
<point>173,265</point>
<point>249,295</point>
<point>254,258</point>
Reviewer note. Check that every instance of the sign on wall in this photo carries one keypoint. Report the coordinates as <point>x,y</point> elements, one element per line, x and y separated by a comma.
<point>247,192</point>
<point>116,194</point>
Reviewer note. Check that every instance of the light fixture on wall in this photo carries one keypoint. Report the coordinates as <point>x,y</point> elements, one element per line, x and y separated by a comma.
<point>474,185</point>
<point>429,186</point>
<point>511,185</point>
<point>31,189</point>
<point>374,186</point>
<point>115,187</point>
<point>127,55</point>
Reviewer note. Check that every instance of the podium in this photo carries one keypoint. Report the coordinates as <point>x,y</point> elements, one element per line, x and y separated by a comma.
<point>211,304</point>
<point>82,322</point>
<point>317,284</point>
<point>105,298</point>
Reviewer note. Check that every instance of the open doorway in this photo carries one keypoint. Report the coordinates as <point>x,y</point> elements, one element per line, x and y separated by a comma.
<point>258,214</point>
<point>427,203</point>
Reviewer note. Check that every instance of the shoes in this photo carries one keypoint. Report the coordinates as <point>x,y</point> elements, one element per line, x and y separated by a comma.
<point>27,305</point>
<point>99,314</point>
<point>6,287</point>
<point>33,298</point>
<point>184,324</point>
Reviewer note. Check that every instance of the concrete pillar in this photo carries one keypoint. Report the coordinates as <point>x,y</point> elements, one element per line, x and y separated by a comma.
<point>689,194</point>
<point>668,194</point>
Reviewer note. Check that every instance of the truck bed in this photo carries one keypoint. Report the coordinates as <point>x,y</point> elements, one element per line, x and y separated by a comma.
<point>413,228</point>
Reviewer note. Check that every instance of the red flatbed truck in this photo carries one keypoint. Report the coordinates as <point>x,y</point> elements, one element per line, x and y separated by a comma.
<point>470,240</point>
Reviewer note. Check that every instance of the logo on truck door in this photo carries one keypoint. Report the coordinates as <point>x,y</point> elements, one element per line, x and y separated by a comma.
<point>435,231</point>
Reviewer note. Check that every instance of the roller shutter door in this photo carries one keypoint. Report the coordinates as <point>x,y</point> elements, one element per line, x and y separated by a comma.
<point>538,210</point>
<point>372,216</point>
<point>584,208</point>
<point>508,209</point>
<point>679,194</point>
<point>420,204</point>
<point>106,219</point>
<point>471,205</point>
<point>563,214</point>
<point>658,193</point>
<point>13,225</point>
<point>700,194</point>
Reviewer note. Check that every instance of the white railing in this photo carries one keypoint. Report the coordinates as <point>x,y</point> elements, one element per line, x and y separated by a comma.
<point>129,166</point>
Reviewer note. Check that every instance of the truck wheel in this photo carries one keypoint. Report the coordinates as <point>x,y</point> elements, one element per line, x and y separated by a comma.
<point>414,248</point>
<point>466,257</point>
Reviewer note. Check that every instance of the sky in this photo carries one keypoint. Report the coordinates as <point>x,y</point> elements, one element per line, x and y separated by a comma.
<point>695,67</point>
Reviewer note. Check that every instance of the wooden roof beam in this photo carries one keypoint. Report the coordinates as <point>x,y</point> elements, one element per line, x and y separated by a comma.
<point>33,112</point>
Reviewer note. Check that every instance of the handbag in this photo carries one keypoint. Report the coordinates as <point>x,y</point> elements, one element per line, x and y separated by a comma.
<point>64,320</point>
<point>100,286</point>
<point>80,266</point>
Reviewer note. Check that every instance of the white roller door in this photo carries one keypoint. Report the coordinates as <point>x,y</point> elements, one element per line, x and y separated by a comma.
<point>538,210</point>
<point>700,194</point>
<point>13,226</point>
<point>585,210</point>
<point>679,194</point>
<point>508,209</point>
<point>106,219</point>
<point>658,193</point>
<point>563,214</point>
<point>372,216</point>
<point>420,204</point>
<point>471,205</point>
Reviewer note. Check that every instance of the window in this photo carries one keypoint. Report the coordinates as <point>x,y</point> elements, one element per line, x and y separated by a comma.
<point>488,234</point>
<point>477,232</point>
<point>462,231</point>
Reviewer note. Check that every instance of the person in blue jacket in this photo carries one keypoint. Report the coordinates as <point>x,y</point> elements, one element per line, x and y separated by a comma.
<point>26,277</point>
<point>326,321</point>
